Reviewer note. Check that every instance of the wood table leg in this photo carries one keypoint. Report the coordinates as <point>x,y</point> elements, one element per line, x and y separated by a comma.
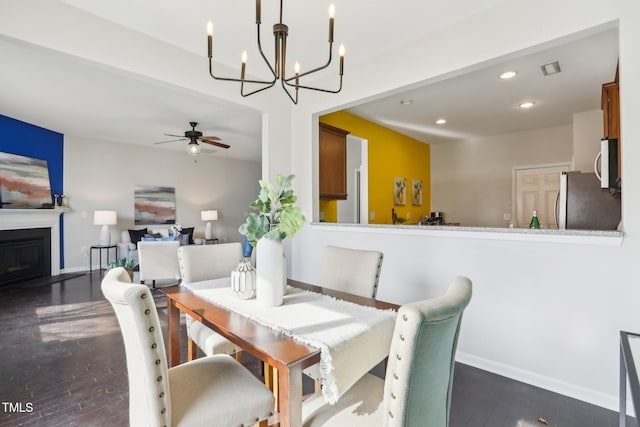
<point>271,381</point>
<point>290,396</point>
<point>192,349</point>
<point>173,332</point>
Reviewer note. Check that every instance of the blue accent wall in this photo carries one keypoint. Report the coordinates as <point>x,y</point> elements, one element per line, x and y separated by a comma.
<point>24,139</point>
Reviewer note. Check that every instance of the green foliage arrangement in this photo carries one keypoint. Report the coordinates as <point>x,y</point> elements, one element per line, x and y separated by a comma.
<point>128,264</point>
<point>276,217</point>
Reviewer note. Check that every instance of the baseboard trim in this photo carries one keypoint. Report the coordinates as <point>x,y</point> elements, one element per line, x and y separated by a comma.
<point>537,380</point>
<point>73,270</point>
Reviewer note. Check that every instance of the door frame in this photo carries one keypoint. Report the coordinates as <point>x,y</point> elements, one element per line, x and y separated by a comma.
<point>515,169</point>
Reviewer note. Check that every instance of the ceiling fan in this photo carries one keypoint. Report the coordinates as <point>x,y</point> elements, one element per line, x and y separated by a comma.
<point>193,136</point>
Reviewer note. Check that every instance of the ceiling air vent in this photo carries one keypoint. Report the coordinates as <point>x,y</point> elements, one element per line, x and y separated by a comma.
<point>551,68</point>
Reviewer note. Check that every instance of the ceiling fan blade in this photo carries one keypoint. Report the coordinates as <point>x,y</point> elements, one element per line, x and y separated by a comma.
<point>177,136</point>
<point>212,138</point>
<point>172,140</point>
<point>216,143</point>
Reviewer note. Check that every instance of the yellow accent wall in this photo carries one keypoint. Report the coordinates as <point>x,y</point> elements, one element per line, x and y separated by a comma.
<point>391,154</point>
<point>329,208</point>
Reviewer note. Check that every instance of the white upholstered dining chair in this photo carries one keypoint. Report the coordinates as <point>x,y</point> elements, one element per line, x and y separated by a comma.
<point>416,391</point>
<point>212,391</point>
<point>158,261</point>
<point>198,263</point>
<point>355,271</point>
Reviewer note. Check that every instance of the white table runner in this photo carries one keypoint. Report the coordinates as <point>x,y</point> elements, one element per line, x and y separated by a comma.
<point>352,338</point>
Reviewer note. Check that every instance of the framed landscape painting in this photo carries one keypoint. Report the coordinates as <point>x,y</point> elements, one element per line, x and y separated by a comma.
<point>24,182</point>
<point>154,205</point>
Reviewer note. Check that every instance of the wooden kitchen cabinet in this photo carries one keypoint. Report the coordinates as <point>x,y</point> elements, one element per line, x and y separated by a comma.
<point>333,162</point>
<point>611,109</point>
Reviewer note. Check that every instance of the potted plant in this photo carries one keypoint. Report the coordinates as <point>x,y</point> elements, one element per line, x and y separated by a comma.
<point>127,264</point>
<point>275,219</point>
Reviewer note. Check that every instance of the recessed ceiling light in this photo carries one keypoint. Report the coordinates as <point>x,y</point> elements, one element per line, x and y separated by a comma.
<point>441,121</point>
<point>527,104</point>
<point>508,75</point>
<point>406,101</point>
<point>551,68</point>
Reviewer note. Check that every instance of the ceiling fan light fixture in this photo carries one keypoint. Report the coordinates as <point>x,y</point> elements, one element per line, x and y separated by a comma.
<point>194,148</point>
<point>278,69</point>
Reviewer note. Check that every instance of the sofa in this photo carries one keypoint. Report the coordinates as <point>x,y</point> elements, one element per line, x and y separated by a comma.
<point>128,249</point>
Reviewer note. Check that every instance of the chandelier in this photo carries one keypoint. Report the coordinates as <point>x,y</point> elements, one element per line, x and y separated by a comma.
<point>278,68</point>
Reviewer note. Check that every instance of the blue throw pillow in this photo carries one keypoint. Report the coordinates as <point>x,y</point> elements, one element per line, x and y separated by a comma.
<point>159,239</point>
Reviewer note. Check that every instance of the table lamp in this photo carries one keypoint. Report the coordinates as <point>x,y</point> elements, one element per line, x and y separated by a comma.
<point>208,216</point>
<point>105,219</point>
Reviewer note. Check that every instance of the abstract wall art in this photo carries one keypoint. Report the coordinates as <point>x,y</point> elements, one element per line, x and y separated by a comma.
<point>154,205</point>
<point>24,183</point>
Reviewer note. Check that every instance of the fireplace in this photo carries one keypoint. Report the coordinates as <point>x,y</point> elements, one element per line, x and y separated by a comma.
<point>24,254</point>
<point>19,222</point>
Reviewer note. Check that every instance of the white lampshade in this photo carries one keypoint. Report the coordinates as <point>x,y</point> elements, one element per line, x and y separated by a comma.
<point>105,217</point>
<point>209,215</point>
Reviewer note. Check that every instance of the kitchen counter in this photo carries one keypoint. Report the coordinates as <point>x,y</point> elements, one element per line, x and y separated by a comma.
<point>596,237</point>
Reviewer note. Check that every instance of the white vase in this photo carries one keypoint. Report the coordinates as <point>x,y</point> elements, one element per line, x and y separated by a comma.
<point>270,272</point>
<point>243,280</point>
<point>284,274</point>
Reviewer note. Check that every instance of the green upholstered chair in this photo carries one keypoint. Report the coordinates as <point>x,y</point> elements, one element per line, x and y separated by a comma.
<point>417,388</point>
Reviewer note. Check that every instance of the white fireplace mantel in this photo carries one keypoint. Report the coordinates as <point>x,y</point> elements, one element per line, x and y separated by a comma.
<point>16,219</point>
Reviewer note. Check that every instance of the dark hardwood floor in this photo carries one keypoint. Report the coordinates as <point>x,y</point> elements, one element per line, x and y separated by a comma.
<point>63,364</point>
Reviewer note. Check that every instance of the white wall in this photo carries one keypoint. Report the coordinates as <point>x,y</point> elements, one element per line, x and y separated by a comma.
<point>588,128</point>
<point>101,175</point>
<point>471,179</point>
<point>547,312</point>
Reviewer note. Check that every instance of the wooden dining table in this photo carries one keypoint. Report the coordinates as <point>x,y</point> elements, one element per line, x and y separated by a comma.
<point>288,356</point>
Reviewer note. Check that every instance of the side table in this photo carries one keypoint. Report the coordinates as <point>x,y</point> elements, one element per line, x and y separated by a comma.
<point>100,248</point>
<point>211,241</point>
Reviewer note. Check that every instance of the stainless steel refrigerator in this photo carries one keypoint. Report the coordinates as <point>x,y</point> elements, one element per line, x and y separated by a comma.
<point>583,205</point>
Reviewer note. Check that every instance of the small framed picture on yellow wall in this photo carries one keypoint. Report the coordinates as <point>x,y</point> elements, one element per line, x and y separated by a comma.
<point>399,191</point>
<point>416,192</point>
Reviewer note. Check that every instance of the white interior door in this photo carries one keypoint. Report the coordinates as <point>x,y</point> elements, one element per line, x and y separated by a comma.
<point>355,208</point>
<point>536,189</point>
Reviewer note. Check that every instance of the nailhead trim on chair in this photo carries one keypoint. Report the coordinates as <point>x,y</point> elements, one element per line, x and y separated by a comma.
<point>154,347</point>
<point>375,286</point>
<point>399,358</point>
